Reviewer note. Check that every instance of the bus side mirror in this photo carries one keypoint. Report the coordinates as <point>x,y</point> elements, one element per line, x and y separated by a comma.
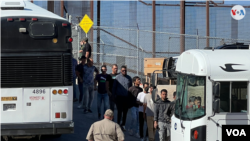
<point>216,106</point>
<point>154,79</point>
<point>216,89</point>
<point>155,94</point>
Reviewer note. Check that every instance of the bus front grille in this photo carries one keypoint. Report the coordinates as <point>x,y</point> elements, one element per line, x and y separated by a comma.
<point>35,71</point>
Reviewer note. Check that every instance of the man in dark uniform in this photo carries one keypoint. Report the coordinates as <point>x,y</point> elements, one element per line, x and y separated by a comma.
<point>109,86</point>
<point>86,50</point>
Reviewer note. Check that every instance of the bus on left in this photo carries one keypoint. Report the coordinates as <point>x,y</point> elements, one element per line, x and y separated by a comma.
<point>36,72</point>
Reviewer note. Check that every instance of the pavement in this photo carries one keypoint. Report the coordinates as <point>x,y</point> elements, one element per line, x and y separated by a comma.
<point>82,123</point>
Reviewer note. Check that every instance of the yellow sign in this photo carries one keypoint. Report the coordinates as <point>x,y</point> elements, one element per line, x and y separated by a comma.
<point>86,23</point>
<point>8,98</point>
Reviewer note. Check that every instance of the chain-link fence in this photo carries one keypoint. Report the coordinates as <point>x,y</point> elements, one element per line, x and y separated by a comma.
<point>129,46</point>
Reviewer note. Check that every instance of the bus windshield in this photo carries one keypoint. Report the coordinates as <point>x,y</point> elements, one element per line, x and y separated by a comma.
<point>190,100</point>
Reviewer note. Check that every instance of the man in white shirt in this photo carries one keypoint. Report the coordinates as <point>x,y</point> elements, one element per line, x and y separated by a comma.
<point>148,113</point>
<point>140,98</point>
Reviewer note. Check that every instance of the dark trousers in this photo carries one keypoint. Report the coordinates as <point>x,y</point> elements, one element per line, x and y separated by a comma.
<point>141,124</point>
<point>111,104</point>
<point>80,86</point>
<point>122,108</point>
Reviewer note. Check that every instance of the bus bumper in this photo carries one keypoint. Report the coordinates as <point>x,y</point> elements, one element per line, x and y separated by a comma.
<point>37,128</point>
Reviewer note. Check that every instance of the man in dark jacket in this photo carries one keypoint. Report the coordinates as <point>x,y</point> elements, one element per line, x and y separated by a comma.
<point>160,119</point>
<point>120,91</point>
<point>133,93</point>
<point>86,50</point>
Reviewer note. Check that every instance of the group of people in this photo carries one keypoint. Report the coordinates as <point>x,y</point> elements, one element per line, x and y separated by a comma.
<point>120,90</point>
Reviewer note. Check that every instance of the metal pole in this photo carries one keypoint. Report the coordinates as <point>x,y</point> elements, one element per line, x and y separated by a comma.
<point>62,12</point>
<point>207,22</point>
<point>182,26</point>
<point>78,35</point>
<point>70,19</point>
<point>197,42</point>
<point>137,73</point>
<point>197,39</point>
<point>50,6</point>
<point>153,28</point>
<point>168,45</point>
<point>98,31</point>
<point>91,30</point>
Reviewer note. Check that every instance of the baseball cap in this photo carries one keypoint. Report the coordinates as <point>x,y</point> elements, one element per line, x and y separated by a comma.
<point>109,113</point>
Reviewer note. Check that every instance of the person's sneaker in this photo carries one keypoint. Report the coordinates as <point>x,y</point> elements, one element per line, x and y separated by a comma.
<point>123,127</point>
<point>89,111</point>
<point>137,136</point>
<point>85,111</point>
<point>130,132</point>
<point>79,106</point>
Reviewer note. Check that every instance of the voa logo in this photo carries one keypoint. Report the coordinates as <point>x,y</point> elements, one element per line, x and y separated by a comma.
<point>238,12</point>
<point>236,132</point>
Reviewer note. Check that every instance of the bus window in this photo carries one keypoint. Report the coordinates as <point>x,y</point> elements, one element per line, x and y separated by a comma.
<point>192,97</point>
<point>238,97</point>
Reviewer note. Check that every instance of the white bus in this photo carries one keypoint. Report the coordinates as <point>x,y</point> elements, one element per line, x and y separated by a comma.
<point>36,71</point>
<point>213,95</point>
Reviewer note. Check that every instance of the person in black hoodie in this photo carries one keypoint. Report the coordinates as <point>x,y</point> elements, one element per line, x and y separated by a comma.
<point>160,119</point>
<point>134,104</point>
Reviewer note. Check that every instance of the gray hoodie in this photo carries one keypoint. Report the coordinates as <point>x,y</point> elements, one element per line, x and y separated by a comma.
<point>160,110</point>
<point>121,85</point>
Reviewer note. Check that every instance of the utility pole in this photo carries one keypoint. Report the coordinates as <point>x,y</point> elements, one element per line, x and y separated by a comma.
<point>153,28</point>
<point>207,23</point>
<point>98,31</point>
<point>62,8</point>
<point>50,5</point>
<point>92,18</point>
<point>182,26</point>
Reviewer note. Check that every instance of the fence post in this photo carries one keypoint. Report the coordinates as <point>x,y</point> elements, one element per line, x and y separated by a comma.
<point>168,44</point>
<point>137,52</point>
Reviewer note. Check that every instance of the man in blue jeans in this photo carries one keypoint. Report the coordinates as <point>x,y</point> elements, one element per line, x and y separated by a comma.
<point>102,92</point>
<point>134,104</point>
<point>88,85</point>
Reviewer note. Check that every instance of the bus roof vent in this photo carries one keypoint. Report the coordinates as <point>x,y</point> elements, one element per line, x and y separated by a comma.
<point>12,5</point>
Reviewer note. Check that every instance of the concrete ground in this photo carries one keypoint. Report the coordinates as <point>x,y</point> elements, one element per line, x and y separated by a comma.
<point>83,123</point>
